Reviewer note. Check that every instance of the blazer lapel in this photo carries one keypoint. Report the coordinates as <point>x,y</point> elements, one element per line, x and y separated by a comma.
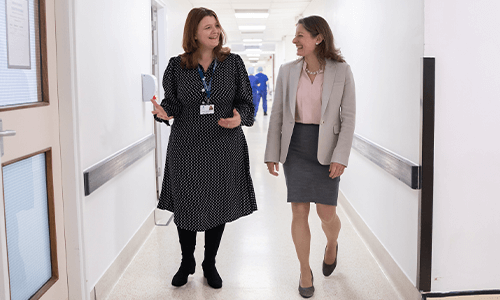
<point>328,80</point>
<point>295,70</point>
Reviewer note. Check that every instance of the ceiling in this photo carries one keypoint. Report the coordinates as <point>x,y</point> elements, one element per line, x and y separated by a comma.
<point>281,21</point>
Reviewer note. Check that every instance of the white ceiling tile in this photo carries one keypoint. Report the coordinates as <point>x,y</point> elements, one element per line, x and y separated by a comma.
<point>197,3</point>
<point>258,4</point>
<point>300,5</point>
<point>289,11</point>
<point>288,1</point>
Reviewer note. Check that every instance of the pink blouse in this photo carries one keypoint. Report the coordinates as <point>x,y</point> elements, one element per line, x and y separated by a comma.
<point>308,107</point>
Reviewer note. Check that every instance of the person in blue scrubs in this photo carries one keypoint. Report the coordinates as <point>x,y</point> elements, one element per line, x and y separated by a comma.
<point>254,82</point>
<point>261,90</point>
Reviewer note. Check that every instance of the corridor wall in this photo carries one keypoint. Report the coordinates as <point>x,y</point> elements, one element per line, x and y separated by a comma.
<point>112,50</point>
<point>383,43</point>
<point>462,36</point>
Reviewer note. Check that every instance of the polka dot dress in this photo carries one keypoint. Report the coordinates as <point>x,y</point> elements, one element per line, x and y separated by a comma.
<point>207,173</point>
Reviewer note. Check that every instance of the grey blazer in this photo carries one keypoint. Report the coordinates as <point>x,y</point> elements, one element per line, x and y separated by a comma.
<point>338,111</point>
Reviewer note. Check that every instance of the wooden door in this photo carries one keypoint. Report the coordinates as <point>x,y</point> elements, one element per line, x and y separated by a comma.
<point>32,244</point>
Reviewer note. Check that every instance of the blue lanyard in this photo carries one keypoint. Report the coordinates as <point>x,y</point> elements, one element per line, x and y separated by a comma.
<point>208,88</point>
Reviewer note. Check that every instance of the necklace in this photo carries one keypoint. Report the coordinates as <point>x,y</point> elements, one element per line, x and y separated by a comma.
<point>314,73</point>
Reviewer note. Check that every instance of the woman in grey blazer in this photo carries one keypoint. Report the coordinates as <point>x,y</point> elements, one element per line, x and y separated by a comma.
<point>310,132</point>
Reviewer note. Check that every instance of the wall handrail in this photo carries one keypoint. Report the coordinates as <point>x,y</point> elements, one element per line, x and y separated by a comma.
<point>103,171</point>
<point>396,165</point>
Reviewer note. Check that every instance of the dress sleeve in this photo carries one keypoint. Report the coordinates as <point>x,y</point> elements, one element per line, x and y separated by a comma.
<point>170,103</point>
<point>243,100</point>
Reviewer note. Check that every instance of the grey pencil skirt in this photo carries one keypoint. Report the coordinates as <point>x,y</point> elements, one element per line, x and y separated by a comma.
<point>306,179</point>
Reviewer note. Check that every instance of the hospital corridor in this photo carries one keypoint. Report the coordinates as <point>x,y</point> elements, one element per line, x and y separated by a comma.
<point>256,258</point>
<point>139,139</point>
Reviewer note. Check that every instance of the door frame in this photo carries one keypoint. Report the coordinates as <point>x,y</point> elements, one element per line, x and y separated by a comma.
<point>71,168</point>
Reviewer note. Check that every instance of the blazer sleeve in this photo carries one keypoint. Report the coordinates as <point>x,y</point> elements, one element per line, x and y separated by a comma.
<point>170,103</point>
<point>243,102</point>
<point>273,145</point>
<point>347,119</point>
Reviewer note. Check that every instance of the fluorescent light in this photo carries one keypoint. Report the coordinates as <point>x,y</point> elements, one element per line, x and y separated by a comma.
<point>251,13</point>
<point>253,55</point>
<point>252,40</point>
<point>252,34</point>
<point>253,58</point>
<point>253,50</point>
<point>253,44</point>
<point>252,27</point>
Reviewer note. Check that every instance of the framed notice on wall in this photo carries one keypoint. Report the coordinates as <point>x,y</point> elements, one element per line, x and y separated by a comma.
<point>18,34</point>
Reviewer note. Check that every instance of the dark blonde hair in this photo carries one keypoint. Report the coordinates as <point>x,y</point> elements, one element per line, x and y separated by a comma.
<point>189,59</point>
<point>316,25</point>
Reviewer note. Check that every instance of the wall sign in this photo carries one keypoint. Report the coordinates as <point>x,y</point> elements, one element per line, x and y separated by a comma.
<point>18,34</point>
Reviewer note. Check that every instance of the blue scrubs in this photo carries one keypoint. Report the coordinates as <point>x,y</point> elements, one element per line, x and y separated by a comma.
<point>255,93</point>
<point>261,91</point>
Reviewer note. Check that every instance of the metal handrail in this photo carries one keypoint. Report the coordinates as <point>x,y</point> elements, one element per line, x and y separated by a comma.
<point>98,174</point>
<point>398,166</point>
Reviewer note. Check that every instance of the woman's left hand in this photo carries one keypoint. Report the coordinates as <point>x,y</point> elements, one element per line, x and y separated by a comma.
<point>233,122</point>
<point>336,170</point>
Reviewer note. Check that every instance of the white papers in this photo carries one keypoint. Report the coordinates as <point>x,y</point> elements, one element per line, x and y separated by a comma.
<point>18,34</point>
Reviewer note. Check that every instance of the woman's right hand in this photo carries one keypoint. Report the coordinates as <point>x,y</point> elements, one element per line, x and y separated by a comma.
<point>159,111</point>
<point>272,166</point>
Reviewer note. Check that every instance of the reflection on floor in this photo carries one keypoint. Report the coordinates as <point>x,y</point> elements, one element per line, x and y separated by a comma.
<point>257,258</point>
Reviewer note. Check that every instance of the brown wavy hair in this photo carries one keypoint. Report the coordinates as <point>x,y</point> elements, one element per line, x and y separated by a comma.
<point>189,59</point>
<point>316,25</point>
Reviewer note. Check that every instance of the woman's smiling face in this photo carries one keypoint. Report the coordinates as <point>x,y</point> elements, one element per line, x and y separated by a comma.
<point>208,32</point>
<point>305,43</point>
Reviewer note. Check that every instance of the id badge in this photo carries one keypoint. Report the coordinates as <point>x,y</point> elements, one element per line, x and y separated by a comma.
<point>207,109</point>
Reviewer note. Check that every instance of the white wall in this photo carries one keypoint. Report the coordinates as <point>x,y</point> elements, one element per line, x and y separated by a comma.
<point>285,52</point>
<point>463,37</point>
<point>171,19</point>
<point>176,14</point>
<point>113,48</point>
<point>383,43</point>
<point>290,49</point>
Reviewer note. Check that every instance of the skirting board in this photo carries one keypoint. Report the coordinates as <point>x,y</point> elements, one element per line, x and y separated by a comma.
<point>106,283</point>
<point>396,276</point>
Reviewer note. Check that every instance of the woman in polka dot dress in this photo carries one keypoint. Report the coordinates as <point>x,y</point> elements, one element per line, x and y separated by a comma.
<point>207,179</point>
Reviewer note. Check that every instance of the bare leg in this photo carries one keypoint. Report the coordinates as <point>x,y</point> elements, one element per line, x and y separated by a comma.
<point>330,223</point>
<point>301,236</point>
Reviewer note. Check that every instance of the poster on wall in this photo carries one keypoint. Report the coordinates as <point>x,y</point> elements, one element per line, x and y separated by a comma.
<point>18,34</point>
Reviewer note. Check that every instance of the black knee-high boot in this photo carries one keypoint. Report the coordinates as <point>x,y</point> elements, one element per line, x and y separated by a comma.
<point>212,242</point>
<point>187,239</point>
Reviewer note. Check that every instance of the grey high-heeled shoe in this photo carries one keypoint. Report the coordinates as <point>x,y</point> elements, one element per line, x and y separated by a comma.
<point>328,269</point>
<point>309,291</point>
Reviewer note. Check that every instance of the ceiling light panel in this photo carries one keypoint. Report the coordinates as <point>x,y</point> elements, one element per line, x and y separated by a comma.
<point>249,47</point>
<point>249,33</point>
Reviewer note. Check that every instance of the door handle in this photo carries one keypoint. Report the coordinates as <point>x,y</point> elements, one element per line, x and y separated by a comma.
<point>2,134</point>
<point>7,133</point>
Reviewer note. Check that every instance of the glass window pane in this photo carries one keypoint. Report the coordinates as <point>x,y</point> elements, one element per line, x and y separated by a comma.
<point>27,222</point>
<point>20,86</point>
